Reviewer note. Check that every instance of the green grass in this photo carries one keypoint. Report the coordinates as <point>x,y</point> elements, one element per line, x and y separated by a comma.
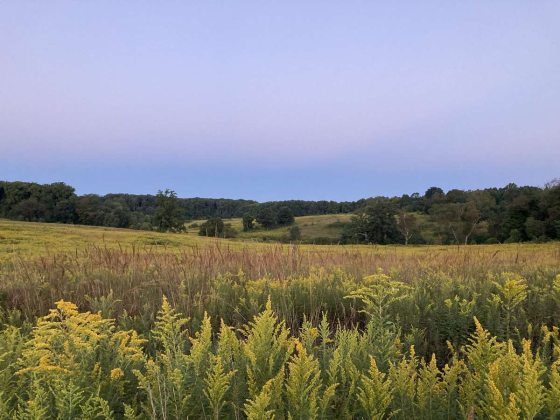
<point>314,229</point>
<point>407,304</point>
<point>24,240</point>
<point>31,239</point>
<point>21,239</point>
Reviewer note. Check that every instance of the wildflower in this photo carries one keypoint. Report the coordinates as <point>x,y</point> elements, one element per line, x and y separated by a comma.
<point>313,332</point>
<point>44,366</point>
<point>299,347</point>
<point>66,308</point>
<point>116,374</point>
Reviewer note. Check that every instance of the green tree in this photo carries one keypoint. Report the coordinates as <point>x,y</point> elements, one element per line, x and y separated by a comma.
<point>248,222</point>
<point>212,227</point>
<point>434,193</point>
<point>168,216</point>
<point>59,201</point>
<point>266,217</point>
<point>456,196</point>
<point>463,219</point>
<point>285,216</point>
<point>514,237</point>
<point>295,233</point>
<point>30,210</point>
<point>375,223</point>
<point>455,220</point>
<point>550,205</point>
<point>534,228</point>
<point>407,225</point>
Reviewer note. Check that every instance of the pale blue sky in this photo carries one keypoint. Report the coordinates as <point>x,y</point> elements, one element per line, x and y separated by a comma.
<point>277,100</point>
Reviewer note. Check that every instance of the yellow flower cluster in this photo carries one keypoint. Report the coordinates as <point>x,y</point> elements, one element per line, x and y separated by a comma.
<point>116,374</point>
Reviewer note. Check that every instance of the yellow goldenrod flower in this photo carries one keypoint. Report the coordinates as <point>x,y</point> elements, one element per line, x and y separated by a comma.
<point>116,373</point>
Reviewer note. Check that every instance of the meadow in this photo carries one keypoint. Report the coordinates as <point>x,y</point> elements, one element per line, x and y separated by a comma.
<point>113,323</point>
<point>315,229</point>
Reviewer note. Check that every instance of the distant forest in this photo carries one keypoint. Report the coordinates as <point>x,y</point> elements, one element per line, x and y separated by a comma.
<point>59,203</point>
<point>492,215</point>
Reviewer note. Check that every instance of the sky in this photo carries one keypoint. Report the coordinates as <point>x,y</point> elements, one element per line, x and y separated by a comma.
<point>272,100</point>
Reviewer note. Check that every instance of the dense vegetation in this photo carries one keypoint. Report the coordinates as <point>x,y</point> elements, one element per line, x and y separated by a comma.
<point>58,203</point>
<point>493,215</point>
<point>272,331</point>
<point>509,214</point>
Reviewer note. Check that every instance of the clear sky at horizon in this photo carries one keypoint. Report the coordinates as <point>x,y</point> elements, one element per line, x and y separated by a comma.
<point>279,100</point>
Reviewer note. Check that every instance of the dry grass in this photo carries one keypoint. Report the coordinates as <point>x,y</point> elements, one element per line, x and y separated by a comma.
<point>42,263</point>
<point>123,274</point>
<point>23,239</point>
<point>26,241</point>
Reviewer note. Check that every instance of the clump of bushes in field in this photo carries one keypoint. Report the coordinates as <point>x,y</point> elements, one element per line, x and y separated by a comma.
<point>409,351</point>
<point>216,227</point>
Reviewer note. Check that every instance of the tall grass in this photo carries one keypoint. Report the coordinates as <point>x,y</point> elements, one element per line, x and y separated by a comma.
<point>282,332</point>
<point>76,364</point>
<point>223,279</point>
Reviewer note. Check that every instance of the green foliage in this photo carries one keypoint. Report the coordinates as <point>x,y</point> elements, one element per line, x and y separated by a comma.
<point>267,217</point>
<point>78,364</point>
<point>168,215</point>
<point>514,237</point>
<point>295,233</point>
<point>374,393</point>
<point>284,216</point>
<point>262,332</point>
<point>512,293</point>
<point>212,227</point>
<point>248,221</point>
<point>303,385</point>
<point>375,223</point>
<point>169,330</point>
<point>382,335</point>
<point>267,348</point>
<point>257,408</point>
<point>509,214</point>
<point>217,384</point>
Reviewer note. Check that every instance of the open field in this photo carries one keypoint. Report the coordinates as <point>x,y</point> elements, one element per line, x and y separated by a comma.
<point>318,228</point>
<point>279,210</point>
<point>26,241</point>
<point>180,326</point>
<point>22,239</point>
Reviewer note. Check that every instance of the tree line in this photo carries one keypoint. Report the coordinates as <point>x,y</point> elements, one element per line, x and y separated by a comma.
<point>59,203</point>
<point>508,214</point>
<point>492,215</point>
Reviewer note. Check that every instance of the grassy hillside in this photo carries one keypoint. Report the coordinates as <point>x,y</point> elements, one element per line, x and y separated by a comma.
<point>25,240</point>
<point>319,229</point>
<point>205,319</point>
<point>135,259</point>
<point>314,229</point>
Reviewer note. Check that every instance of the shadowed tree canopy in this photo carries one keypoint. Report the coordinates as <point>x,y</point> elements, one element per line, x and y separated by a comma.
<point>267,217</point>
<point>212,227</point>
<point>168,216</point>
<point>285,216</point>
<point>375,223</point>
<point>248,222</point>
